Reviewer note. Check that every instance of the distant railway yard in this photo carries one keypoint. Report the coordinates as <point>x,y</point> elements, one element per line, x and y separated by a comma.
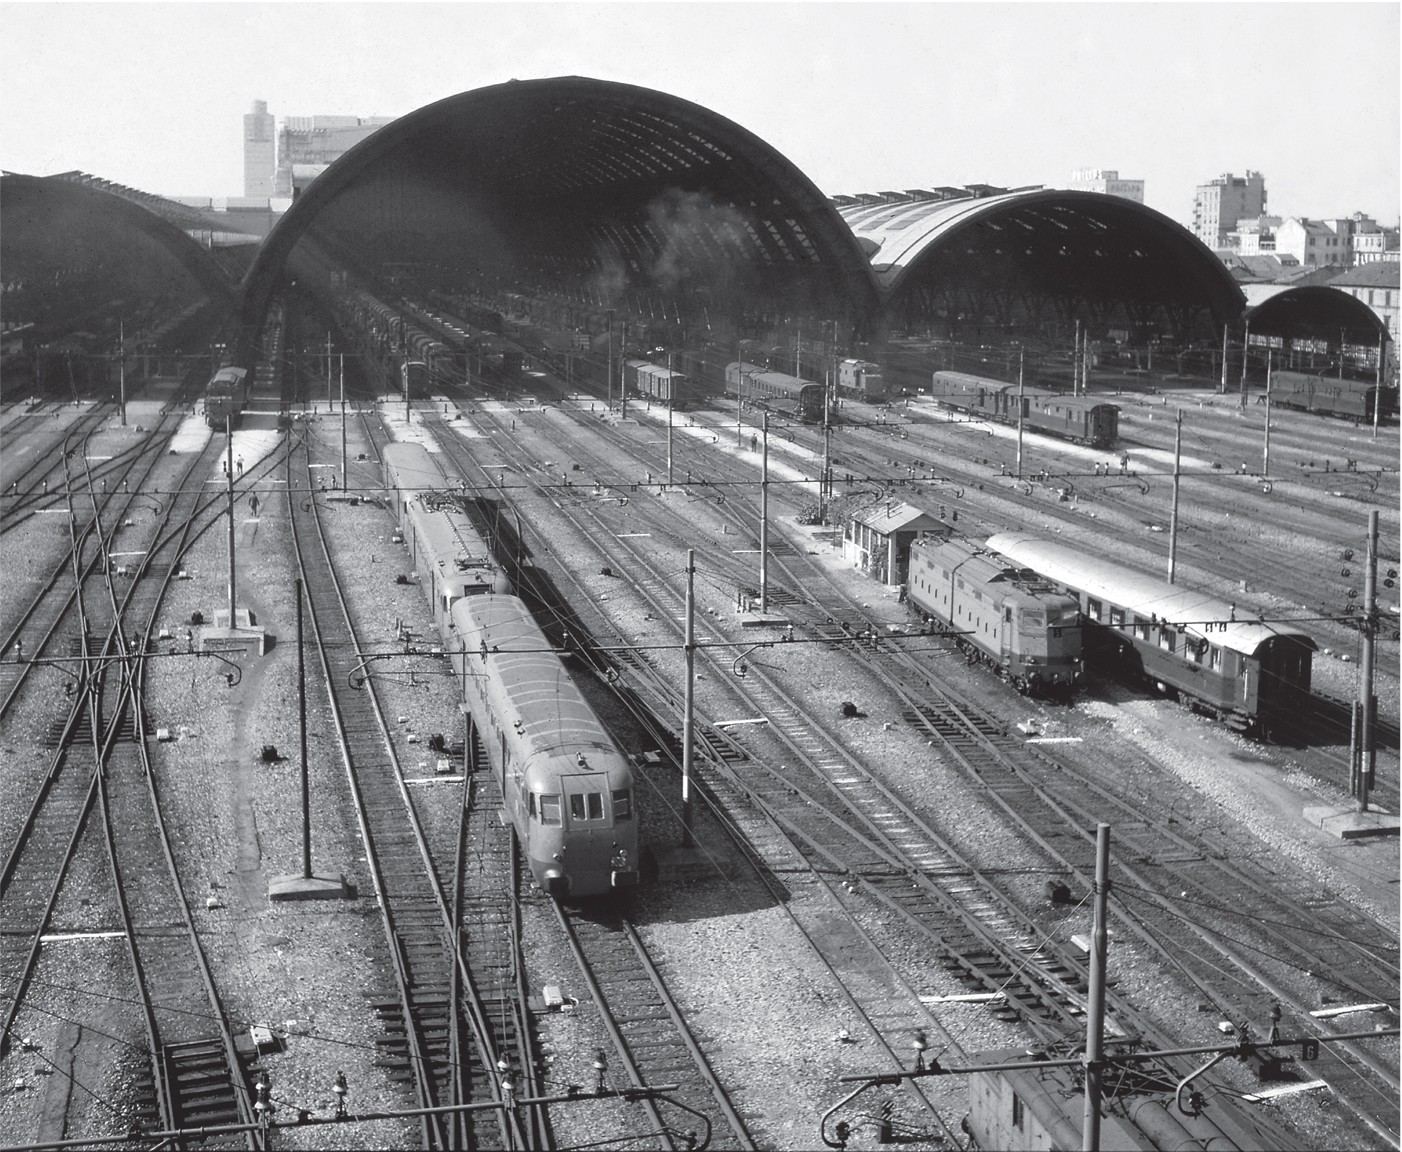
<point>568,765</point>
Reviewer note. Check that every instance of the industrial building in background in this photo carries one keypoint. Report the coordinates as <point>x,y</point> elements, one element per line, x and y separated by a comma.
<point>1108,182</point>
<point>259,151</point>
<point>278,161</point>
<point>307,144</point>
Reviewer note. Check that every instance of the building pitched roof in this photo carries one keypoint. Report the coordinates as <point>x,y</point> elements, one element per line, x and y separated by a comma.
<point>894,516</point>
<point>1378,274</point>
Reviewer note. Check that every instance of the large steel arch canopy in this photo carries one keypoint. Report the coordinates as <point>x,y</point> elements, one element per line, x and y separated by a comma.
<point>1037,259</point>
<point>614,192</point>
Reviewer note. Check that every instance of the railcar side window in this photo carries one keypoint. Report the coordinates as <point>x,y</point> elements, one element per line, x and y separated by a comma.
<point>549,809</point>
<point>1094,609</point>
<point>1166,639</point>
<point>1117,617</point>
<point>1216,658</point>
<point>1141,628</point>
<point>622,804</point>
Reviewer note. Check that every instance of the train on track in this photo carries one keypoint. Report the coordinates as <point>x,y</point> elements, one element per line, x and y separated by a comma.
<point>650,381</point>
<point>776,391</point>
<point>1081,419</point>
<point>1351,399</point>
<point>225,397</point>
<point>1002,615</point>
<point>861,380</point>
<point>566,785</point>
<point>1251,674</point>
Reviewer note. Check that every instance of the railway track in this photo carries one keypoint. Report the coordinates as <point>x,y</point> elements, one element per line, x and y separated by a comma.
<point>193,1077</point>
<point>962,737</point>
<point>649,1033</point>
<point>439,1022</point>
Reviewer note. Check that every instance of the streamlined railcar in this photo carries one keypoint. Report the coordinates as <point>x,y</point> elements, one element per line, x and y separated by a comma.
<point>568,788</point>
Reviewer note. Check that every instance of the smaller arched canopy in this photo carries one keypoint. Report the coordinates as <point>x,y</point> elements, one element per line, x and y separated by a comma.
<point>1311,312</point>
<point>49,220</point>
<point>1046,243</point>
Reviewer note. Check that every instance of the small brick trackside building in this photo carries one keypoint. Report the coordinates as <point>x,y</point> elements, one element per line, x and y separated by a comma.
<point>878,539</point>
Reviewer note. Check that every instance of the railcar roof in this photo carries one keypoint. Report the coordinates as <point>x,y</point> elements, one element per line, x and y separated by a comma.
<point>1143,594</point>
<point>1036,394</point>
<point>413,467</point>
<point>447,533</point>
<point>554,714</point>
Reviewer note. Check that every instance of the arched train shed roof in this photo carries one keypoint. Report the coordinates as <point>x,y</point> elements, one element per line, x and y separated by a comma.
<point>1083,244</point>
<point>573,178</point>
<point>1311,312</point>
<point>38,212</point>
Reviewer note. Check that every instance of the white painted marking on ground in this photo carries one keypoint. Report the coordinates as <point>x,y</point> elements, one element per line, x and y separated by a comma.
<point>1283,1090</point>
<point>1344,1010</point>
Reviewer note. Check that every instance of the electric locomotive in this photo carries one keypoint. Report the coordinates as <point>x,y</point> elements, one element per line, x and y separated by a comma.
<point>861,380</point>
<point>1185,643</point>
<point>1005,616</point>
<point>225,397</point>
<point>568,788</point>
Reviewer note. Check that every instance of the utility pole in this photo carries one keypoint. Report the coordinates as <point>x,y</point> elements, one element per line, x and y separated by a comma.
<point>829,392</point>
<point>608,371</point>
<point>1095,1015</point>
<point>764,522</point>
<point>1245,349</point>
<point>1368,759</point>
<point>1076,361</point>
<point>1226,331</point>
<point>1378,383</point>
<point>1266,450</point>
<point>1020,408</point>
<point>229,466</point>
<point>688,719</point>
<point>302,730</point>
<point>345,476</point>
<point>1173,514</point>
<point>122,370</point>
<point>328,370</point>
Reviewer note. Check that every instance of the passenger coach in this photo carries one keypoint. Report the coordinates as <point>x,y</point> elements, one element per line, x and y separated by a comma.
<point>1188,644</point>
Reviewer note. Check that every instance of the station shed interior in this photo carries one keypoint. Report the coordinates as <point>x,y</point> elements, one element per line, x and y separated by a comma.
<point>71,249</point>
<point>611,195</point>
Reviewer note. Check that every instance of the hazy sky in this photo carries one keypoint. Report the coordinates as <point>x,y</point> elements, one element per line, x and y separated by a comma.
<point>862,97</point>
